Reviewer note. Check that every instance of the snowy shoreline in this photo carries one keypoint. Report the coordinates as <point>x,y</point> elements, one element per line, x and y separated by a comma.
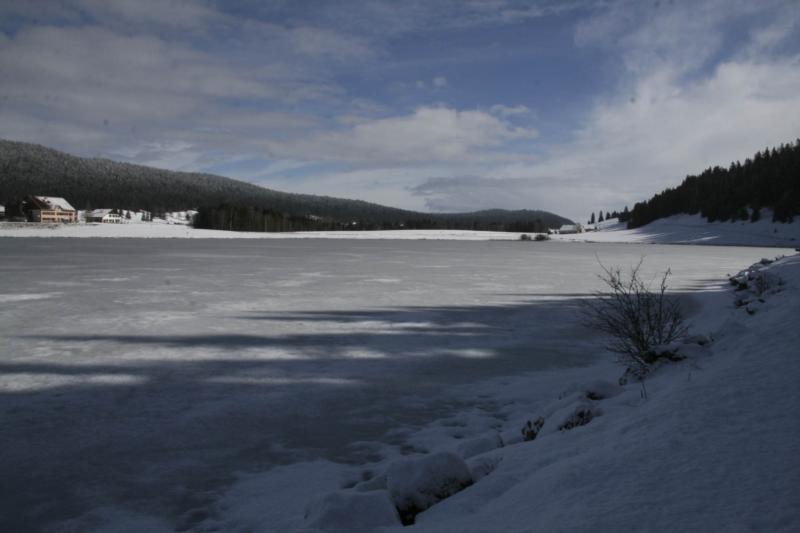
<point>710,441</point>
<point>679,229</point>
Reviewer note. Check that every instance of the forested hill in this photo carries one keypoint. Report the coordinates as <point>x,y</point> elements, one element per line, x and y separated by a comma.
<point>101,183</point>
<point>770,179</point>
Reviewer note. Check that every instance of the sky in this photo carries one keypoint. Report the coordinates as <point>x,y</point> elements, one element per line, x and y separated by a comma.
<point>570,106</point>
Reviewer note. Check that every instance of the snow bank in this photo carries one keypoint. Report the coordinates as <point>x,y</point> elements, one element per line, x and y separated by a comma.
<point>348,511</point>
<point>417,483</point>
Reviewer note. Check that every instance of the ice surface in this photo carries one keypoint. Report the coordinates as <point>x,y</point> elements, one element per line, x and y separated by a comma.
<point>150,378</point>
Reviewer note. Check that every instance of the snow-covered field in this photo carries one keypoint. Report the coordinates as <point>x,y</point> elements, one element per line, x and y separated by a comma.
<point>195,385</point>
<point>177,231</point>
<point>693,229</point>
<point>679,229</point>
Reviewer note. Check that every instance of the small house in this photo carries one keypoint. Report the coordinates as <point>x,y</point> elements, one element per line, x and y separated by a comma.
<point>50,209</point>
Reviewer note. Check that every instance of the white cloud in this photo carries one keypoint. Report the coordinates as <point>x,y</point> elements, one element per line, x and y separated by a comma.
<point>182,85</point>
<point>92,90</point>
<point>173,13</point>
<point>509,111</point>
<point>472,193</point>
<point>661,124</point>
<point>429,134</point>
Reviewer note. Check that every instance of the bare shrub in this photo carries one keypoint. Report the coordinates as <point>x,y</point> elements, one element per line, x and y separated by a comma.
<point>763,282</point>
<point>636,317</point>
<point>531,429</point>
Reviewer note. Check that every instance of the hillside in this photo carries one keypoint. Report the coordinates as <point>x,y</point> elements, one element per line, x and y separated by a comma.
<point>91,183</point>
<point>770,179</point>
<point>694,229</point>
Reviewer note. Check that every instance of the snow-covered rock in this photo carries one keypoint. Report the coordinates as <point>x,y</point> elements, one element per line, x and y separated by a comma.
<point>350,511</point>
<point>375,483</point>
<point>417,483</point>
<point>478,445</point>
<point>699,339</point>
<point>601,390</point>
<point>483,465</point>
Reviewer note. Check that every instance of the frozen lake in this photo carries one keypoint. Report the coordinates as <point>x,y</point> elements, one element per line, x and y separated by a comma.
<point>147,373</point>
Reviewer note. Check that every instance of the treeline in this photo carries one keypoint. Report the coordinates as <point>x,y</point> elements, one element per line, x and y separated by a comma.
<point>622,217</point>
<point>88,183</point>
<point>92,183</point>
<point>770,179</point>
<point>250,218</point>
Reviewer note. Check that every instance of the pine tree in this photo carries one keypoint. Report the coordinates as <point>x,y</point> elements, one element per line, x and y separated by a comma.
<point>591,220</point>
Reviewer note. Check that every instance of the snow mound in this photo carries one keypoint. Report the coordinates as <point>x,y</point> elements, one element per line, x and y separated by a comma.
<point>347,511</point>
<point>601,390</point>
<point>478,445</point>
<point>417,483</point>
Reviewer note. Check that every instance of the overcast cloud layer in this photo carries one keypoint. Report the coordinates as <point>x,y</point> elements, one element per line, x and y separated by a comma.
<point>565,106</point>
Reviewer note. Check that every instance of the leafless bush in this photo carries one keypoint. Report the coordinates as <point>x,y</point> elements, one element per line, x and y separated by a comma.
<point>636,317</point>
<point>763,282</point>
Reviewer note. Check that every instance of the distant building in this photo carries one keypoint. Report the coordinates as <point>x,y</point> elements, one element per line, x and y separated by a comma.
<point>567,229</point>
<point>50,209</point>
<point>2,212</point>
<point>105,216</point>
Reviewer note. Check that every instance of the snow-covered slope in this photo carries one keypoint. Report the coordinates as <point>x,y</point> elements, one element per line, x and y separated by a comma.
<point>693,229</point>
<point>709,445</point>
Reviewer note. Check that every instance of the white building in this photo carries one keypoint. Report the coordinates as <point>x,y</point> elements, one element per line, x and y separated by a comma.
<point>105,216</point>
<point>50,209</point>
<point>567,229</point>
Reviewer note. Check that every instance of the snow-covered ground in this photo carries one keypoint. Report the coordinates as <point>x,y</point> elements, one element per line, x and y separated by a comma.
<point>162,230</point>
<point>679,229</point>
<point>205,386</point>
<point>693,229</point>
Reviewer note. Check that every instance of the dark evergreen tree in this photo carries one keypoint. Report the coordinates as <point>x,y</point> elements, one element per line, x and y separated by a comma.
<point>770,179</point>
